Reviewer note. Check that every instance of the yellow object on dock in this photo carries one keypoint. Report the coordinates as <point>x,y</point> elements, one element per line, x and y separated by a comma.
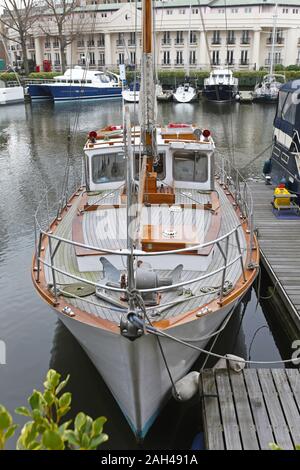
<point>282,198</point>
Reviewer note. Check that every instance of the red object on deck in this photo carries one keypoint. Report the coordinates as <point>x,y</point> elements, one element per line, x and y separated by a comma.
<point>37,68</point>
<point>206,133</point>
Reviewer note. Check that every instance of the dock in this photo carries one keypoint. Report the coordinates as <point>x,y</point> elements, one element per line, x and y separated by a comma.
<point>279,241</point>
<point>251,409</point>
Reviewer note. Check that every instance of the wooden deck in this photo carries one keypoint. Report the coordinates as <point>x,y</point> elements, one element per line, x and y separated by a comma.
<point>65,259</point>
<point>250,409</point>
<point>279,241</point>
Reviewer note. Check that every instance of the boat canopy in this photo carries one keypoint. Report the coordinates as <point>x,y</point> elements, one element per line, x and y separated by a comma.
<point>287,117</point>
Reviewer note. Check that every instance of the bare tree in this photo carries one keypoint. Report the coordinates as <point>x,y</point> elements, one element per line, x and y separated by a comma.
<point>61,21</point>
<point>17,20</point>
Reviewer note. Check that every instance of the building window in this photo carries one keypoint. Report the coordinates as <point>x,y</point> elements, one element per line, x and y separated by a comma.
<point>121,58</point>
<point>245,39</point>
<point>221,10</point>
<point>169,12</point>
<point>285,10</point>
<point>56,58</point>
<point>248,10</point>
<point>230,37</point>
<point>132,39</point>
<point>104,15</point>
<point>179,37</point>
<point>120,40</point>
<point>244,58</point>
<point>193,37</point>
<point>82,58</point>
<point>234,10</point>
<point>166,58</point>
<point>195,11</point>
<point>216,37</point>
<point>295,11</point>
<point>101,40</point>
<point>91,42</point>
<point>216,57</point>
<point>132,57</point>
<point>192,57</point>
<point>181,12</point>
<point>101,59</point>
<point>179,58</point>
<point>166,38</point>
<point>229,58</point>
<point>92,58</point>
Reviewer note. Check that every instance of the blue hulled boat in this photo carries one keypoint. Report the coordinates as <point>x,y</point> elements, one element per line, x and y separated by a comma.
<point>284,164</point>
<point>78,83</point>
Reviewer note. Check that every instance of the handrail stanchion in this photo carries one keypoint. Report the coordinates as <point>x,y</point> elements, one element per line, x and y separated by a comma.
<point>225,256</point>
<point>38,261</point>
<point>53,269</point>
<point>240,252</point>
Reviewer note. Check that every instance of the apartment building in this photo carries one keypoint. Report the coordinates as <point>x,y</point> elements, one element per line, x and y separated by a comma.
<point>236,33</point>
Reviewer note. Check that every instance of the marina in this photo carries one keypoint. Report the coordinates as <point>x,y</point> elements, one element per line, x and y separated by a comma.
<point>149,245</point>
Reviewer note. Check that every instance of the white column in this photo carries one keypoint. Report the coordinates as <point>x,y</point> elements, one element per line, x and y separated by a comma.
<point>108,54</point>
<point>289,50</point>
<point>256,49</point>
<point>203,59</point>
<point>39,55</point>
<point>69,50</point>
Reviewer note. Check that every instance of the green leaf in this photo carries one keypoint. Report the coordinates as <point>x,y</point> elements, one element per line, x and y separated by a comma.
<point>63,411</point>
<point>35,400</point>
<point>49,397</point>
<point>88,425</point>
<point>22,410</point>
<point>5,419</point>
<point>62,385</point>
<point>52,379</point>
<point>10,432</point>
<point>85,441</point>
<point>98,425</point>
<point>96,441</point>
<point>63,427</point>
<point>65,400</point>
<point>80,421</point>
<point>72,438</point>
<point>52,440</point>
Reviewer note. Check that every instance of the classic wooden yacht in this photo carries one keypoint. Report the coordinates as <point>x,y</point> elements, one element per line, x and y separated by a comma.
<point>155,248</point>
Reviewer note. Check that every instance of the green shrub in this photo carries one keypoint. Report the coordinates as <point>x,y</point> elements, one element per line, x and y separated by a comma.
<point>44,430</point>
<point>8,76</point>
<point>45,75</point>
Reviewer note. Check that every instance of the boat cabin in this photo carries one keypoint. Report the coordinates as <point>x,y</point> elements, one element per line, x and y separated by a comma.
<point>184,158</point>
<point>287,119</point>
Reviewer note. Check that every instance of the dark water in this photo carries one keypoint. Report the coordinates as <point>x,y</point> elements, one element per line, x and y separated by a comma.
<point>33,151</point>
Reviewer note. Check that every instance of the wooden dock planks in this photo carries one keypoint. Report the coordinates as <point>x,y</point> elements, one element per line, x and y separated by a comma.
<point>279,243</point>
<point>251,409</point>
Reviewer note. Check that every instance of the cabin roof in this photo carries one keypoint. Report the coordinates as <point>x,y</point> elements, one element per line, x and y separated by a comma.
<point>292,85</point>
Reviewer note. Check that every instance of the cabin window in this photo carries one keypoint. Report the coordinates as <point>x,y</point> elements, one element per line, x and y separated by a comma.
<point>103,78</point>
<point>285,158</point>
<point>108,168</point>
<point>190,166</point>
<point>159,167</point>
<point>289,109</point>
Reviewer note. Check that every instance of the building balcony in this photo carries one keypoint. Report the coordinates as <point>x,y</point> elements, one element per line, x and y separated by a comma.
<point>166,42</point>
<point>279,41</point>
<point>216,41</point>
<point>120,42</point>
<point>193,43</point>
<point>230,41</point>
<point>91,44</point>
<point>216,62</point>
<point>101,63</point>
<point>47,45</point>
<point>165,64</point>
<point>244,63</point>
<point>57,63</point>
<point>80,43</point>
<point>101,43</point>
<point>179,42</point>
<point>56,45</point>
<point>179,64</point>
<point>229,63</point>
<point>131,43</point>
<point>245,41</point>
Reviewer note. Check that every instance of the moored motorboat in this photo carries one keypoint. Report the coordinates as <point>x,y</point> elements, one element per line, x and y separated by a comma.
<point>163,95</point>
<point>185,93</point>
<point>78,84</point>
<point>131,94</point>
<point>221,86</point>
<point>267,90</point>
<point>145,262</point>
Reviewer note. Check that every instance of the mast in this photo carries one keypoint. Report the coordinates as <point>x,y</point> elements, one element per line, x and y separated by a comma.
<point>147,94</point>
<point>273,38</point>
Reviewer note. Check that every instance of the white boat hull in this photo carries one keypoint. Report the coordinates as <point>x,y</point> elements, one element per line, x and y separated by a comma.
<point>10,95</point>
<point>131,96</point>
<point>182,95</point>
<point>135,371</point>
